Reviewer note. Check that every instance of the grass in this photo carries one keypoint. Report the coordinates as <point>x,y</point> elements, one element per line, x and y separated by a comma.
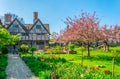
<point>3,65</point>
<point>98,57</point>
<point>67,66</point>
<point>46,67</point>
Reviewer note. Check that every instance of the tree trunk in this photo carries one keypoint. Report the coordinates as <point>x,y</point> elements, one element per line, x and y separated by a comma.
<point>88,48</point>
<point>113,67</point>
<point>106,47</point>
<point>97,44</point>
<point>82,59</point>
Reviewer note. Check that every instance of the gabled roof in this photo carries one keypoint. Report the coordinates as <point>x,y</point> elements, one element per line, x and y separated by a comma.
<point>19,24</point>
<point>28,26</point>
<point>47,27</point>
<point>38,20</point>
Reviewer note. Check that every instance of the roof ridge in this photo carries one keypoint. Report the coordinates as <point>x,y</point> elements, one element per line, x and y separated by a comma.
<point>24,25</point>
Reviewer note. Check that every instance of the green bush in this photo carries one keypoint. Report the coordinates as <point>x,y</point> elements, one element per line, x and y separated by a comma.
<point>56,49</point>
<point>3,65</point>
<point>46,47</point>
<point>71,47</point>
<point>81,48</point>
<point>37,66</point>
<point>2,75</point>
<point>23,48</point>
<point>32,49</point>
<point>50,50</point>
<point>4,49</point>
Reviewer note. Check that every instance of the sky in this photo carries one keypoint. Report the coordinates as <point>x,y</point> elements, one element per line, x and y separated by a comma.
<point>55,12</point>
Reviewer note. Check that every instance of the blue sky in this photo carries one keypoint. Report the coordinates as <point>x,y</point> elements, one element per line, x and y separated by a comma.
<point>55,12</point>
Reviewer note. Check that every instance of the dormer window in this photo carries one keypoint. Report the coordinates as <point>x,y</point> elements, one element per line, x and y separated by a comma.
<point>15,26</point>
<point>38,27</point>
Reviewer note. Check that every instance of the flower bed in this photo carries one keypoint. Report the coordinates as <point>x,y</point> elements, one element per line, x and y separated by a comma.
<point>54,67</point>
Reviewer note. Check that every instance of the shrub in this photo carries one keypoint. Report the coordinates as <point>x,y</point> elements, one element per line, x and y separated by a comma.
<point>2,75</point>
<point>46,47</point>
<point>56,49</point>
<point>37,66</point>
<point>50,50</point>
<point>3,65</point>
<point>71,47</point>
<point>82,49</point>
<point>32,49</point>
<point>23,48</point>
<point>4,49</point>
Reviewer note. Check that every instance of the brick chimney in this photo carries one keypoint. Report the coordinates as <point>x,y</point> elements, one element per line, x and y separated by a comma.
<point>8,18</point>
<point>35,15</point>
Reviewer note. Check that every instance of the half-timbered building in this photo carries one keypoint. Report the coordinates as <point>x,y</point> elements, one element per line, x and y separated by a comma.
<point>36,34</point>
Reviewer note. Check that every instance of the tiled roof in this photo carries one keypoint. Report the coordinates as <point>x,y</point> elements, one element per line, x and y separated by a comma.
<point>28,27</point>
<point>19,23</point>
<point>38,20</point>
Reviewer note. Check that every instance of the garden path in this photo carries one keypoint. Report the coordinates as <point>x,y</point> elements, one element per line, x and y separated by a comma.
<point>17,69</point>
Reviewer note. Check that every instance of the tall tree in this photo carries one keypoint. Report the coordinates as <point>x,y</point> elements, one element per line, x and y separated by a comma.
<point>83,29</point>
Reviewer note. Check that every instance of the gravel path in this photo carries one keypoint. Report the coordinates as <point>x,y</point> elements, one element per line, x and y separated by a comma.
<point>17,69</point>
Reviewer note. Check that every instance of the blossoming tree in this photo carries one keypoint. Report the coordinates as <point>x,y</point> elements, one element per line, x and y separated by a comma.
<point>83,29</point>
